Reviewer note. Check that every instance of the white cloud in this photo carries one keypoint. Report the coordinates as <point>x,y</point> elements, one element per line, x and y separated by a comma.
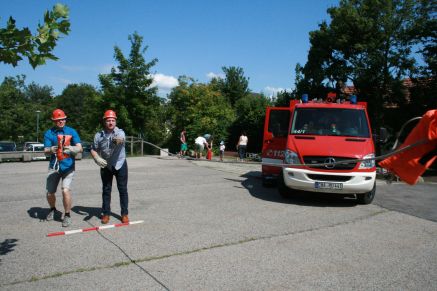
<point>272,91</point>
<point>212,75</point>
<point>164,82</point>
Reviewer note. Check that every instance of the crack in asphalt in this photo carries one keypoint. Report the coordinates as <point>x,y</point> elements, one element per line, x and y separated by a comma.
<point>155,258</point>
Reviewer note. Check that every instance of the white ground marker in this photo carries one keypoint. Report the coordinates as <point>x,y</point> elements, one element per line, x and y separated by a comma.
<point>67,232</point>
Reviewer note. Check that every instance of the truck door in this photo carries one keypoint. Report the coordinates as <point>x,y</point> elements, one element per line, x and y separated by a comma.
<point>276,129</point>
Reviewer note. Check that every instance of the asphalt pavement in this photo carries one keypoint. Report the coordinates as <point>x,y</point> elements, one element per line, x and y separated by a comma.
<point>212,226</point>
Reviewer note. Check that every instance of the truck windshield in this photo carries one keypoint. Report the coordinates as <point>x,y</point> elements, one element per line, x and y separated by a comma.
<point>330,121</point>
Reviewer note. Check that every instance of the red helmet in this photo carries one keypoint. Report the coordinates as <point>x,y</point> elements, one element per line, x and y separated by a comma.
<point>110,114</point>
<point>58,114</point>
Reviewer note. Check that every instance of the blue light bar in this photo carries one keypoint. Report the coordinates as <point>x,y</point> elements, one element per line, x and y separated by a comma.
<point>304,98</point>
<point>353,99</point>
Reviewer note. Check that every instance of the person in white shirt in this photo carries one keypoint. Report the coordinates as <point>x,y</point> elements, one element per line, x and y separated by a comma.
<point>222,150</point>
<point>199,145</point>
<point>242,146</point>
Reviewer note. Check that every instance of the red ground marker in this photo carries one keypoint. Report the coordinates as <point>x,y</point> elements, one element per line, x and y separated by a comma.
<point>67,232</point>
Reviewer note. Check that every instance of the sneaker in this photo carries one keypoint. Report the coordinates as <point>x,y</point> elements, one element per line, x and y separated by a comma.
<point>66,222</point>
<point>105,219</point>
<point>124,219</point>
<point>51,215</point>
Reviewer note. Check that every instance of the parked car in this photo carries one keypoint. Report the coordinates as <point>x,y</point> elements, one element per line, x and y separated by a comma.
<point>36,147</point>
<point>8,146</point>
<point>27,143</point>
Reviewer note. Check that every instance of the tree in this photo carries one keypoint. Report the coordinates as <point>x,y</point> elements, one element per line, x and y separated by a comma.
<point>369,44</point>
<point>235,85</point>
<point>37,94</point>
<point>283,98</point>
<point>424,31</point>
<point>18,109</point>
<point>250,111</point>
<point>199,108</point>
<point>127,90</point>
<point>424,85</point>
<point>81,103</point>
<point>16,44</point>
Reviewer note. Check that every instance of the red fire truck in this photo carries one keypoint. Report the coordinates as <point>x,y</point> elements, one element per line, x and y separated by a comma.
<point>314,145</point>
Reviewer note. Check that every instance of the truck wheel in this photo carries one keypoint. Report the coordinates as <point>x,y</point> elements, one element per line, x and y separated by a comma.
<point>283,190</point>
<point>367,198</point>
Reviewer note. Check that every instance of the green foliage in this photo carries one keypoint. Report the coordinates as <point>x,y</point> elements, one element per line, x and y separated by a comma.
<point>368,43</point>
<point>15,43</point>
<point>127,90</point>
<point>39,94</point>
<point>200,109</point>
<point>18,106</point>
<point>81,104</point>
<point>250,111</point>
<point>283,98</point>
<point>424,31</point>
<point>235,85</point>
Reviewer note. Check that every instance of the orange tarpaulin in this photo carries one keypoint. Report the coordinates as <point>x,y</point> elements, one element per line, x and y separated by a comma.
<point>63,141</point>
<point>410,164</point>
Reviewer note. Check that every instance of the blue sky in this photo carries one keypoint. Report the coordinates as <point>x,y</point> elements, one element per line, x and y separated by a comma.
<point>195,38</point>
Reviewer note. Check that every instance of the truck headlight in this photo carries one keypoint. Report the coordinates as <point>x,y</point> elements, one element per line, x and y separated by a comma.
<point>291,157</point>
<point>369,163</point>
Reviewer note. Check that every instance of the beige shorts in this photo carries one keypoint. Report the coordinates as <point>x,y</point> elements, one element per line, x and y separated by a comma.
<point>53,178</point>
<point>199,147</point>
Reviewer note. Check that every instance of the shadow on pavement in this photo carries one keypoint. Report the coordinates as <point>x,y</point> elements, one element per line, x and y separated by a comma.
<point>253,183</point>
<point>88,212</point>
<point>7,246</point>
<point>91,212</point>
<point>41,213</point>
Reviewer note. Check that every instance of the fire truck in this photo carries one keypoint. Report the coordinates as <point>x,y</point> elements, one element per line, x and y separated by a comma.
<point>320,146</point>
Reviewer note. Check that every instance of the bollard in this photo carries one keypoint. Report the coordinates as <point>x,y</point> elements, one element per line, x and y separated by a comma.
<point>163,153</point>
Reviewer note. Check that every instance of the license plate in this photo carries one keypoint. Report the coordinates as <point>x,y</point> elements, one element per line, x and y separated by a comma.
<point>328,185</point>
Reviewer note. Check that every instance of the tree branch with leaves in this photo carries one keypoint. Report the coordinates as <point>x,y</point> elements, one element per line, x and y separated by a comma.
<point>16,44</point>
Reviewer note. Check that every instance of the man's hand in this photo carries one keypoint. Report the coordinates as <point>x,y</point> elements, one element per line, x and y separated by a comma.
<point>99,161</point>
<point>71,150</point>
<point>50,150</point>
<point>118,140</point>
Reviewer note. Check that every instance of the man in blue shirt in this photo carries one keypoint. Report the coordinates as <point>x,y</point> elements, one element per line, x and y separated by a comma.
<point>108,151</point>
<point>62,143</point>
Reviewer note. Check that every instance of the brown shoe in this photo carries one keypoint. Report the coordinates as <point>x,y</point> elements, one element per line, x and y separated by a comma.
<point>105,219</point>
<point>124,219</point>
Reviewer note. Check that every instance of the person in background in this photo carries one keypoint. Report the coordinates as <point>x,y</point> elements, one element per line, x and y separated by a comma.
<point>242,146</point>
<point>109,153</point>
<point>222,150</point>
<point>62,143</point>
<point>210,141</point>
<point>199,145</point>
<point>183,140</point>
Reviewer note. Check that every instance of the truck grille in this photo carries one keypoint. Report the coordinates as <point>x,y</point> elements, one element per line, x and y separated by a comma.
<point>310,161</point>
<point>329,178</point>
